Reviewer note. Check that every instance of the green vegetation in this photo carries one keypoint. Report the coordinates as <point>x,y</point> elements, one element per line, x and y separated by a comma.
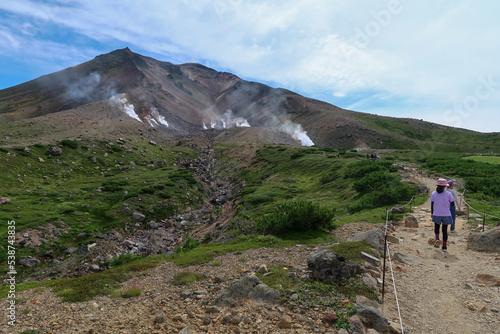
<point>312,293</point>
<point>85,190</point>
<point>205,253</point>
<point>345,186</point>
<point>491,159</point>
<point>123,259</point>
<point>133,292</point>
<point>186,278</point>
<point>352,250</point>
<point>297,216</point>
<point>482,181</point>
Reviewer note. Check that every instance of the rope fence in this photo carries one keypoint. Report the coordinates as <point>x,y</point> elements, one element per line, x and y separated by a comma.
<point>387,253</point>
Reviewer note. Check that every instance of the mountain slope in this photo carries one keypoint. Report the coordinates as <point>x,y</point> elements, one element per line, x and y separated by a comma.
<point>122,91</point>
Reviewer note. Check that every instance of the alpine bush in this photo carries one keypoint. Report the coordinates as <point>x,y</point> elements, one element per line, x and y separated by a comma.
<point>296,216</point>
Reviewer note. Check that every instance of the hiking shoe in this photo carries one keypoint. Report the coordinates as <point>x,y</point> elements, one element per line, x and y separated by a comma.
<point>453,231</point>
<point>437,243</point>
<point>445,249</point>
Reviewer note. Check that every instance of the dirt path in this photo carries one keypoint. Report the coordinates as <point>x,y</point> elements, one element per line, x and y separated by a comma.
<point>438,291</point>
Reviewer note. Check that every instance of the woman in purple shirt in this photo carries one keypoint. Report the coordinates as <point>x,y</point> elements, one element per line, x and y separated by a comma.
<point>441,201</point>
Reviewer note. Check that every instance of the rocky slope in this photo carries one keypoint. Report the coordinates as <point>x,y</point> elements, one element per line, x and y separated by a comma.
<point>121,92</point>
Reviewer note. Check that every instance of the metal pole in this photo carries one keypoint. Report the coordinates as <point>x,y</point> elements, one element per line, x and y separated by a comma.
<point>385,252</point>
<point>484,221</point>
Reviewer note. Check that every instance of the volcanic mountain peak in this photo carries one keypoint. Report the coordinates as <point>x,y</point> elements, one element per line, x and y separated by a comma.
<point>122,90</point>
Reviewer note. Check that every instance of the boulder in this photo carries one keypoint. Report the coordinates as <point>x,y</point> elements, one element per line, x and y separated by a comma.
<point>29,262</point>
<point>54,151</point>
<point>263,293</point>
<point>411,222</point>
<point>372,316</point>
<point>356,325</point>
<point>374,237</point>
<point>250,286</point>
<point>138,216</point>
<point>488,241</point>
<point>397,209</point>
<point>4,200</point>
<point>326,265</point>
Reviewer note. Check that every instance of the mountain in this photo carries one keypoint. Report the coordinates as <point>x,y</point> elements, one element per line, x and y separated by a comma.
<point>123,92</point>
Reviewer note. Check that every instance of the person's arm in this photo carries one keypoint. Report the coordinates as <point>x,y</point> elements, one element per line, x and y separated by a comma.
<point>432,209</point>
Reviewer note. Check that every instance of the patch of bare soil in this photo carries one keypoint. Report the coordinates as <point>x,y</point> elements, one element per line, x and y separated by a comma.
<point>437,291</point>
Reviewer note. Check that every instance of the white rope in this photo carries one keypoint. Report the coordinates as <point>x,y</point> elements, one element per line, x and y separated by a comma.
<point>482,213</point>
<point>395,291</point>
<point>392,273</point>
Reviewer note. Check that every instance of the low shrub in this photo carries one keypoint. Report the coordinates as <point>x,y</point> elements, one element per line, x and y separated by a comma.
<point>296,216</point>
<point>69,143</point>
<point>134,292</point>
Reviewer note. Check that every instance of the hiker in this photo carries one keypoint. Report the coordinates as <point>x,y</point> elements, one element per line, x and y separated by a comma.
<point>453,209</point>
<point>441,201</point>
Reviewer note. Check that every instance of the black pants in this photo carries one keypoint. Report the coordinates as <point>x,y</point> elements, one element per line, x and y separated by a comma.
<point>445,230</point>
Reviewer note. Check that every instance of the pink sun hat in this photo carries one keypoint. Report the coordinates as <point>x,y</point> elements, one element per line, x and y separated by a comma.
<point>442,182</point>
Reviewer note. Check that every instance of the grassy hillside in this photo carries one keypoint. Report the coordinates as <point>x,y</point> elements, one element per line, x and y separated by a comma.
<point>431,138</point>
<point>84,189</point>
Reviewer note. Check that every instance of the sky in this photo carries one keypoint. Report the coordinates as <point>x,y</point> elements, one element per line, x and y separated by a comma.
<point>427,59</point>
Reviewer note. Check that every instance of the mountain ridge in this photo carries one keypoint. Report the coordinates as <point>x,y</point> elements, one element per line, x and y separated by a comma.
<point>188,99</point>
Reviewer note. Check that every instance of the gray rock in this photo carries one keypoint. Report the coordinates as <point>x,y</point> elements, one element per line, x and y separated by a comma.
<point>128,243</point>
<point>94,268</point>
<point>57,233</point>
<point>83,250</point>
<point>375,237</point>
<point>243,289</point>
<point>373,260</point>
<point>231,318</point>
<point>138,216</point>
<point>186,330</point>
<point>369,281</point>
<point>326,265</point>
<point>488,241</point>
<point>372,316</point>
<point>406,259</point>
<point>70,250</point>
<point>160,318</point>
<point>411,222</point>
<point>392,239</point>
<point>397,209</point>
<point>4,200</point>
<point>153,225</point>
<point>357,326</point>
<point>212,309</point>
<point>263,293</point>
<point>54,151</point>
<point>29,262</point>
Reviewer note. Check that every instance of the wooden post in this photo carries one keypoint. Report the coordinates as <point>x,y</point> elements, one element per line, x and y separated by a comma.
<point>385,253</point>
<point>484,220</point>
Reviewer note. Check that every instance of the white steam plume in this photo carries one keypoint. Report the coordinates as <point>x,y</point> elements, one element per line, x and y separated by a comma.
<point>120,101</point>
<point>155,117</point>
<point>226,121</point>
<point>84,87</point>
<point>296,131</point>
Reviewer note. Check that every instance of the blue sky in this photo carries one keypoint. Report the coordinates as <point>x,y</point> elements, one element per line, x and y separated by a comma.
<point>431,60</point>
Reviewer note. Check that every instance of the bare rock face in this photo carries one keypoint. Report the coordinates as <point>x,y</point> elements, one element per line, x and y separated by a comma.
<point>488,241</point>
<point>54,151</point>
<point>326,265</point>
